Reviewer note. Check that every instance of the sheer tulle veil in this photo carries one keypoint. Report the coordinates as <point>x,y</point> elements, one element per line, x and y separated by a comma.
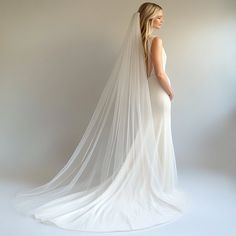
<point>119,137</point>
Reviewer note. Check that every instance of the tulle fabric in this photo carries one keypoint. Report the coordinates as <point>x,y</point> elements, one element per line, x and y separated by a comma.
<point>122,175</point>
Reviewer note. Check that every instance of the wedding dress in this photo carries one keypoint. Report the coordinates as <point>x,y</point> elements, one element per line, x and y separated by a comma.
<point>122,175</point>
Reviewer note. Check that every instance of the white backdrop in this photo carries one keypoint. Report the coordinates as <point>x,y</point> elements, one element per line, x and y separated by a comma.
<point>56,57</point>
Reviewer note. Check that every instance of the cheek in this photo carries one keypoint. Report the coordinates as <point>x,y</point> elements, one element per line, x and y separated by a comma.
<point>156,22</point>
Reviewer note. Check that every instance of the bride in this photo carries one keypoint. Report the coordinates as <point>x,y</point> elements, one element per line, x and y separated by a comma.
<point>122,175</point>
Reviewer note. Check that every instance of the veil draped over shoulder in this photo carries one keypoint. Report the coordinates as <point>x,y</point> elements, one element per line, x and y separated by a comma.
<point>117,153</point>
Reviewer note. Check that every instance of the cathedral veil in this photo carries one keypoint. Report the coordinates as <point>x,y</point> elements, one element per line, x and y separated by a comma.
<point>119,135</point>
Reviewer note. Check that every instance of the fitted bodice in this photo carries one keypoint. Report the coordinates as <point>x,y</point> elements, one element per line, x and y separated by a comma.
<point>151,71</point>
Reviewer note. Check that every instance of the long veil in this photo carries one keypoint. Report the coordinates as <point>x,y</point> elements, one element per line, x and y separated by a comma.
<point>119,138</point>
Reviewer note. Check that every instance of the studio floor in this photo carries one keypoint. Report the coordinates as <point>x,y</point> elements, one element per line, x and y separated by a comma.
<point>212,213</point>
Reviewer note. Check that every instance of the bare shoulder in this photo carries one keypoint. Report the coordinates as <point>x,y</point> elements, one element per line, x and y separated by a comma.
<point>156,42</point>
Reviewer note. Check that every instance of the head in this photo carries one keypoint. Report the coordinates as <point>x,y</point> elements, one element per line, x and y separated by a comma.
<point>151,17</point>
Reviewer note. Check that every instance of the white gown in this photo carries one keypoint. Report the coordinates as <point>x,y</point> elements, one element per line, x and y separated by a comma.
<point>161,110</point>
<point>131,201</point>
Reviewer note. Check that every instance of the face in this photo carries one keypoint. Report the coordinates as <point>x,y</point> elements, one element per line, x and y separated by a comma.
<point>158,20</point>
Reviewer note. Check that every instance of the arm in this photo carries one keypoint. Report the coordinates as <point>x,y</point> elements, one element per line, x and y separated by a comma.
<point>156,55</point>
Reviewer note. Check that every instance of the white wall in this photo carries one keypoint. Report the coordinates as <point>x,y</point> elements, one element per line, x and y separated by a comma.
<point>56,57</point>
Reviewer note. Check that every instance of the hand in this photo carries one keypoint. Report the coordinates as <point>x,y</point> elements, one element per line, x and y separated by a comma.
<point>171,95</point>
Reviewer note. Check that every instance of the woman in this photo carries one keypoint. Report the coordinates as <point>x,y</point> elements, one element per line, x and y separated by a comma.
<point>122,175</point>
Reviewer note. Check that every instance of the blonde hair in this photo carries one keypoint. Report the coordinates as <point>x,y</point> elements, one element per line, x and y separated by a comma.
<point>148,11</point>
